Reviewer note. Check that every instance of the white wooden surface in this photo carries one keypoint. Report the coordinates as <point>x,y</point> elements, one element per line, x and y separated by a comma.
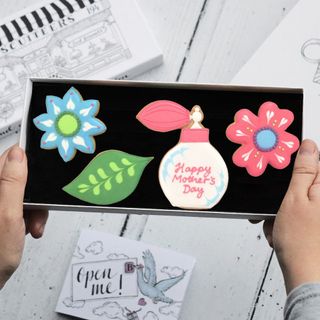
<point>236,276</point>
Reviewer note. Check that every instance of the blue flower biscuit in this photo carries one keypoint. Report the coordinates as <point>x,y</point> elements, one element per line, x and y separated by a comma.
<point>70,124</point>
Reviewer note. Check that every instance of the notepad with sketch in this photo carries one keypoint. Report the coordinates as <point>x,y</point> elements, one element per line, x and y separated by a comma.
<point>95,39</point>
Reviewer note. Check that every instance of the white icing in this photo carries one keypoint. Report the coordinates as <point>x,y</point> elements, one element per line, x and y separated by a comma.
<point>48,123</point>
<point>70,104</point>
<point>270,115</point>
<point>193,176</point>
<point>85,112</point>
<point>246,155</point>
<point>282,122</point>
<point>279,158</point>
<point>87,126</point>
<point>65,145</point>
<point>289,144</point>
<point>56,109</point>
<point>79,141</point>
<point>239,133</point>
<point>246,119</point>
<point>51,137</point>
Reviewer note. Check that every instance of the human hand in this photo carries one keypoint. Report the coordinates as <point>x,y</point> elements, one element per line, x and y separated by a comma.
<point>295,232</point>
<point>14,223</point>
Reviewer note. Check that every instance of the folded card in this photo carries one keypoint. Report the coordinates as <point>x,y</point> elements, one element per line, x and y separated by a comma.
<point>116,278</point>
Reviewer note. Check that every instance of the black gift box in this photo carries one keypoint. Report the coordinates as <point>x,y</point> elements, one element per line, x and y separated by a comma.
<point>120,101</point>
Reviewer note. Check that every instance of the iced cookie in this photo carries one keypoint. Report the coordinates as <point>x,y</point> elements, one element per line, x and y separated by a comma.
<point>69,124</point>
<point>192,175</point>
<point>263,138</point>
<point>109,178</point>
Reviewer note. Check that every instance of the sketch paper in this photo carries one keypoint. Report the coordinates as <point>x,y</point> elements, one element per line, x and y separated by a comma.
<point>110,277</point>
<point>93,39</point>
<point>290,57</point>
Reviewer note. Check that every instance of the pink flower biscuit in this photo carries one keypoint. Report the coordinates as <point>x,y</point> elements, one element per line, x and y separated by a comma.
<point>263,138</point>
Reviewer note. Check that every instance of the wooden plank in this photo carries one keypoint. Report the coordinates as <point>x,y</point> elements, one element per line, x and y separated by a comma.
<point>226,283</point>
<point>172,23</point>
<point>272,297</point>
<point>224,45</point>
<point>231,256</point>
<point>33,291</point>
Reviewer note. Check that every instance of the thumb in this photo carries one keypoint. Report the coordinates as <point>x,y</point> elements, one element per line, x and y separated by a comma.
<point>305,168</point>
<point>13,177</point>
<point>268,230</point>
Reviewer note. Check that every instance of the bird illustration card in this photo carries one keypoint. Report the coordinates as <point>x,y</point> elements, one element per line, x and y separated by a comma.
<point>110,277</point>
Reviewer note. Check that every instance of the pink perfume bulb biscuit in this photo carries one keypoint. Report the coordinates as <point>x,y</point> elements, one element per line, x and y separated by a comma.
<point>192,174</point>
<point>164,116</point>
<point>263,138</point>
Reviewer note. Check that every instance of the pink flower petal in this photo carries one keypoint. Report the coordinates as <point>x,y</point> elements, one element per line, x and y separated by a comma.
<point>238,134</point>
<point>243,155</point>
<point>242,130</point>
<point>289,141</point>
<point>246,117</point>
<point>278,119</point>
<point>259,165</point>
<point>281,156</point>
<point>253,160</point>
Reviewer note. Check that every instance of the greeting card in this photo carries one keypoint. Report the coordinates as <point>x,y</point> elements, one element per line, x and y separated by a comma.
<point>110,277</point>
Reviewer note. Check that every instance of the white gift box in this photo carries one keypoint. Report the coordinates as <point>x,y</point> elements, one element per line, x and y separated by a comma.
<point>95,39</point>
<point>245,197</point>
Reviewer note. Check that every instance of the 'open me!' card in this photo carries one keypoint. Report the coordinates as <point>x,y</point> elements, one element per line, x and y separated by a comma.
<point>115,278</point>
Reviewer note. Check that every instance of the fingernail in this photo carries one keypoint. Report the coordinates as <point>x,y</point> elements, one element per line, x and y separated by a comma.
<point>15,154</point>
<point>307,148</point>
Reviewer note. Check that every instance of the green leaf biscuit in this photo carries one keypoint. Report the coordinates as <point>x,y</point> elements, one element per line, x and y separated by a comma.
<point>109,178</point>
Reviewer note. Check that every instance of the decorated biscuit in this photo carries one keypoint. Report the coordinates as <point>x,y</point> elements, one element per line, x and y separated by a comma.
<point>109,178</point>
<point>69,124</point>
<point>192,175</point>
<point>263,138</point>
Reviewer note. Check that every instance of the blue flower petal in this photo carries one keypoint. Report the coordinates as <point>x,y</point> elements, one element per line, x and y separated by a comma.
<point>72,99</point>
<point>93,126</point>
<point>54,105</point>
<point>84,143</point>
<point>88,108</point>
<point>66,149</point>
<point>74,94</point>
<point>44,122</point>
<point>49,140</point>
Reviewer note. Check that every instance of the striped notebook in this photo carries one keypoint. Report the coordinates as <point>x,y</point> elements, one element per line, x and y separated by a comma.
<point>95,39</point>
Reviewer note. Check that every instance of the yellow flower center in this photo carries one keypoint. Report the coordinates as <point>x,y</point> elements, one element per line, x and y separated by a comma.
<point>68,124</point>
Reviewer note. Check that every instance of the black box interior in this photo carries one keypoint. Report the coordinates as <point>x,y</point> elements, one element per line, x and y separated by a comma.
<point>119,105</point>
